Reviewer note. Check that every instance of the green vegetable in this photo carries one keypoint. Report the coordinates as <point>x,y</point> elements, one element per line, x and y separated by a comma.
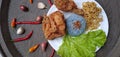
<point>83,45</point>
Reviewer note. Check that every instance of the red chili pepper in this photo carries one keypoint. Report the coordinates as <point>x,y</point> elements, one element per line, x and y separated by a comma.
<point>33,48</point>
<point>31,1</point>
<point>49,1</point>
<point>14,22</point>
<point>23,38</point>
<point>28,22</point>
<point>53,52</point>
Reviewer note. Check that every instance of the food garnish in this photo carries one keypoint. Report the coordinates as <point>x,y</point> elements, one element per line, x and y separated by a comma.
<point>31,1</point>
<point>24,8</point>
<point>33,48</point>
<point>53,25</point>
<point>23,38</point>
<point>41,5</point>
<point>28,22</point>
<point>14,22</point>
<point>83,45</point>
<point>44,45</point>
<point>77,25</point>
<point>20,30</point>
<point>53,52</point>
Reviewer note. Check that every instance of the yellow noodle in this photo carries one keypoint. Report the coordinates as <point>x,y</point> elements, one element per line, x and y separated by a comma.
<point>91,14</point>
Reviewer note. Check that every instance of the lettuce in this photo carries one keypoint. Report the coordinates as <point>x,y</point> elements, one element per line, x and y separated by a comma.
<point>83,45</point>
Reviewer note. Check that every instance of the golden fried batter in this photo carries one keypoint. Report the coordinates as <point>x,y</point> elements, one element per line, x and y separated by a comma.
<point>53,25</point>
<point>78,11</point>
<point>65,5</point>
<point>68,6</point>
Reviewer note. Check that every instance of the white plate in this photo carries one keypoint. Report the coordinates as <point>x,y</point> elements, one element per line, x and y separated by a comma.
<point>103,25</point>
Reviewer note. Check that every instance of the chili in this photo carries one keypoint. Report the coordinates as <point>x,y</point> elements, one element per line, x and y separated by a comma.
<point>53,52</point>
<point>31,1</point>
<point>49,1</point>
<point>13,23</point>
<point>28,22</point>
<point>23,38</point>
<point>33,48</point>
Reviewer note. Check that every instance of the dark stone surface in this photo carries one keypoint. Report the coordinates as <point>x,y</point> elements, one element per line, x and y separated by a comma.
<point>10,9</point>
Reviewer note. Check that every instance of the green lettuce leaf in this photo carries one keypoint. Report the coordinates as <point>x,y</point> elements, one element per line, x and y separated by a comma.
<point>83,45</point>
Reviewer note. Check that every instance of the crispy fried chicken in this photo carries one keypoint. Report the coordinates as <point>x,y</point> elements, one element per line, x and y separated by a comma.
<point>68,6</point>
<point>53,25</point>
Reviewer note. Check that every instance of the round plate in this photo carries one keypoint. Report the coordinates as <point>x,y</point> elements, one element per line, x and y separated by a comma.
<point>103,25</point>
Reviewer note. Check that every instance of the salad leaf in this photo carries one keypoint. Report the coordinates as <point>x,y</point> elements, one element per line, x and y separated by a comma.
<point>83,45</point>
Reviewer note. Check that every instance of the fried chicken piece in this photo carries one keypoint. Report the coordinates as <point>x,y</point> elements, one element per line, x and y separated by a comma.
<point>65,5</point>
<point>53,25</point>
<point>78,11</point>
<point>68,6</point>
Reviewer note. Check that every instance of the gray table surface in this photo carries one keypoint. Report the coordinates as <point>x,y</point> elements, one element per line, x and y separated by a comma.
<point>115,52</point>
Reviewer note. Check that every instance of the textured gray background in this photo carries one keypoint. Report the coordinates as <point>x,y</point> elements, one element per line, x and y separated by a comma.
<point>111,48</point>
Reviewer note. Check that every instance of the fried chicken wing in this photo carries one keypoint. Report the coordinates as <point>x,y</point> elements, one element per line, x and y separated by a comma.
<point>53,25</point>
<point>68,6</point>
<point>78,11</point>
<point>65,5</point>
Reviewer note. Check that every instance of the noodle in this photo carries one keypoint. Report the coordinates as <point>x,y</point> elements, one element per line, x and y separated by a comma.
<point>91,14</point>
